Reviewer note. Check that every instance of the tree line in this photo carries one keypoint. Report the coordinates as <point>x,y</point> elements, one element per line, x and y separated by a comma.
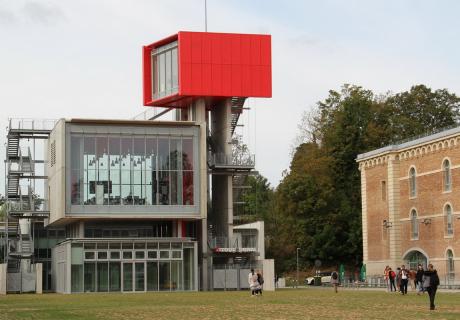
<point>317,204</point>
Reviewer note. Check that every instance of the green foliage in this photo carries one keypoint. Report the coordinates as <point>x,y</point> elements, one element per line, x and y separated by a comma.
<point>317,205</point>
<point>258,200</point>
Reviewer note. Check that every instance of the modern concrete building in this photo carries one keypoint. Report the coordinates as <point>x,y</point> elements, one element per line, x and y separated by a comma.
<point>144,205</point>
<point>410,205</point>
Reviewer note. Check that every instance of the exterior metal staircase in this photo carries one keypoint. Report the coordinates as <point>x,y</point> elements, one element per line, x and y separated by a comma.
<point>237,109</point>
<point>20,177</point>
<point>13,187</point>
<point>13,146</point>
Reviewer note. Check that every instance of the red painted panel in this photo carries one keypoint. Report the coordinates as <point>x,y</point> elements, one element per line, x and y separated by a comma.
<point>226,80</point>
<point>246,83</point>
<point>245,50</point>
<point>215,65</point>
<point>236,80</point>
<point>266,82</point>
<point>196,79</point>
<point>207,77</point>
<point>226,49</point>
<point>185,48</point>
<point>255,80</point>
<point>217,79</point>
<point>196,47</point>
<point>255,51</point>
<point>236,49</point>
<point>216,52</point>
<point>206,52</point>
<point>146,74</point>
<point>186,79</point>
<point>265,52</point>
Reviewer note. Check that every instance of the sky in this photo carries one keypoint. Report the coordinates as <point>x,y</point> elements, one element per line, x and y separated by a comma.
<point>67,58</point>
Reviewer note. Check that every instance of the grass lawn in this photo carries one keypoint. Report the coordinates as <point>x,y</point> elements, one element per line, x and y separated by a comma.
<point>311,303</point>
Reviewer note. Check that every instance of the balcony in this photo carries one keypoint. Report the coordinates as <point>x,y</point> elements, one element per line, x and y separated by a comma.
<point>232,163</point>
<point>28,207</point>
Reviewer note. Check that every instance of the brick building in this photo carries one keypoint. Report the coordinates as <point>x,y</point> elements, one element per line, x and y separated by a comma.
<point>411,205</point>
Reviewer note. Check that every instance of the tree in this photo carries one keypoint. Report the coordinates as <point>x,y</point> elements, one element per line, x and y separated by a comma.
<point>422,110</point>
<point>258,198</point>
<point>317,205</point>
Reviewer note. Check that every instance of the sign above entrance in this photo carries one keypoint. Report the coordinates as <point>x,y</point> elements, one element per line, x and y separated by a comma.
<point>234,250</point>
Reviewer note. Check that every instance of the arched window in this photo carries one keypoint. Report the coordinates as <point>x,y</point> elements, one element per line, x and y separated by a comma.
<point>414,224</point>
<point>450,266</point>
<point>449,222</point>
<point>412,182</point>
<point>447,178</point>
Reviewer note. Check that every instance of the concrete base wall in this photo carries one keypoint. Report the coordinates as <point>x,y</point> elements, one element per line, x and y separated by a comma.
<point>3,268</point>
<point>39,278</point>
<point>269,274</point>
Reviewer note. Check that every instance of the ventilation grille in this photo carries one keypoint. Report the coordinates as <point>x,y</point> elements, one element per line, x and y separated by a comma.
<point>53,153</point>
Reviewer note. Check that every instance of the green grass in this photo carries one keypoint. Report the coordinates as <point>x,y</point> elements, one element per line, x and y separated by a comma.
<point>312,303</point>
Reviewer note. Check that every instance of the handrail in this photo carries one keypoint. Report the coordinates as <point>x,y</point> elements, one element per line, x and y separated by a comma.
<point>222,159</point>
<point>31,124</point>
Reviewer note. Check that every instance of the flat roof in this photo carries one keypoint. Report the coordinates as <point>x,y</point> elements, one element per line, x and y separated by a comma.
<point>130,122</point>
<point>411,142</point>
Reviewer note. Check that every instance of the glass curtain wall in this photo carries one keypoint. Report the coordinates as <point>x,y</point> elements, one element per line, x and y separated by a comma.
<point>165,70</point>
<point>131,170</point>
<point>138,266</point>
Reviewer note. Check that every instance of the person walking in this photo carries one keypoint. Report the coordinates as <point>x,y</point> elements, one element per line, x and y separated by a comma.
<point>392,276</point>
<point>431,283</point>
<point>419,279</point>
<point>412,275</point>
<point>403,279</point>
<point>386,277</point>
<point>252,281</point>
<point>335,280</point>
<point>260,282</point>
<point>398,279</point>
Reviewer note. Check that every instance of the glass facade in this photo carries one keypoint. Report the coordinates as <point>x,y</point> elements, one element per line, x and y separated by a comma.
<point>133,266</point>
<point>165,71</point>
<point>131,170</point>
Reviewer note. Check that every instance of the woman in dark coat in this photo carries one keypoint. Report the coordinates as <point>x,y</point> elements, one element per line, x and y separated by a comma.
<point>419,279</point>
<point>431,283</point>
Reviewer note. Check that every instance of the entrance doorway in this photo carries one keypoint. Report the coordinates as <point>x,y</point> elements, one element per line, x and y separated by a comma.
<point>414,258</point>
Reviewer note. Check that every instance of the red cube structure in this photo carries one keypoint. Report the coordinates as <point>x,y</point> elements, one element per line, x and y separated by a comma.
<point>191,65</point>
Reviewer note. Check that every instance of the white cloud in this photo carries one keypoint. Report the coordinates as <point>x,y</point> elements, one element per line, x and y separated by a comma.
<point>42,12</point>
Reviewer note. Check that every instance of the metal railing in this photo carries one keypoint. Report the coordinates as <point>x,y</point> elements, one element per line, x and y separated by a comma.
<point>225,160</point>
<point>32,124</point>
<point>153,113</point>
<point>234,245</point>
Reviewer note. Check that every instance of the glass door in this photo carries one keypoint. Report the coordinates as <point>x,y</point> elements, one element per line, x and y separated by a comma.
<point>139,274</point>
<point>115,276</point>
<point>165,276</point>
<point>127,276</point>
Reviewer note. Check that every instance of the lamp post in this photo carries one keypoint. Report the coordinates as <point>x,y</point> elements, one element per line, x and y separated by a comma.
<point>297,254</point>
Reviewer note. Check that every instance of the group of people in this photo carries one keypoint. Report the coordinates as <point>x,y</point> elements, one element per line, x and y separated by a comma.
<point>256,281</point>
<point>420,280</point>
